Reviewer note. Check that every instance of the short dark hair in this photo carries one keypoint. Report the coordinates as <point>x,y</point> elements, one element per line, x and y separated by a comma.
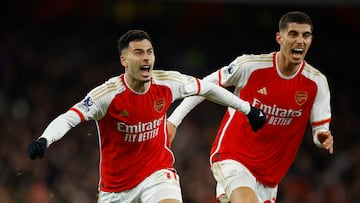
<point>295,17</point>
<point>131,35</point>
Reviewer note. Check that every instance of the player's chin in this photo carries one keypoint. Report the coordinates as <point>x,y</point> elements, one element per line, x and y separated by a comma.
<point>146,80</point>
<point>296,61</point>
<point>145,76</point>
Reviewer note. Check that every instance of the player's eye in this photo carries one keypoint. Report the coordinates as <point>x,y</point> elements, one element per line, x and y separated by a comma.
<point>150,51</point>
<point>138,52</point>
<point>293,34</point>
<point>307,35</point>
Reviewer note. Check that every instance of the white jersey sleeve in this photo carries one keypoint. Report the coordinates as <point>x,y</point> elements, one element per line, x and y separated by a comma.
<point>320,116</point>
<point>223,97</point>
<point>95,105</point>
<point>60,126</point>
<point>92,107</point>
<point>183,85</point>
<point>184,108</point>
<point>321,111</point>
<point>212,92</point>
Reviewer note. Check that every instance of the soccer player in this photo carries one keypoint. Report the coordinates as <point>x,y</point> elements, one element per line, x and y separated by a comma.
<point>248,165</point>
<point>136,163</point>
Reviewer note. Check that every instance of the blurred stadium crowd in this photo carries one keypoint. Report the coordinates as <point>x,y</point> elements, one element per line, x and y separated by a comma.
<point>52,54</point>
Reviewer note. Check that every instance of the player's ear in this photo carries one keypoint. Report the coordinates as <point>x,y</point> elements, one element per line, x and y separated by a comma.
<point>123,61</point>
<point>278,37</point>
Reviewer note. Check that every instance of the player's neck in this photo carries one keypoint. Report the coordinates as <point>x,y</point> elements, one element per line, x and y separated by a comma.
<point>137,85</point>
<point>286,67</point>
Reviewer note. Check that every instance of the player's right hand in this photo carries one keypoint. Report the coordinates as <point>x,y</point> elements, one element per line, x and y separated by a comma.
<point>326,140</point>
<point>171,129</point>
<point>257,118</point>
<point>37,148</point>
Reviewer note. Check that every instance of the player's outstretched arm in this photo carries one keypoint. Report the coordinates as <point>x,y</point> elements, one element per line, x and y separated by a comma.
<point>220,96</point>
<point>224,97</point>
<point>54,131</point>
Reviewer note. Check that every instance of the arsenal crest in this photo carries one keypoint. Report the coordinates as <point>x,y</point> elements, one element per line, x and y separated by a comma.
<point>301,97</point>
<point>159,105</point>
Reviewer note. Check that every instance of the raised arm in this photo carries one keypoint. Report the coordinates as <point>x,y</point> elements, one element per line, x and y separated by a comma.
<point>54,131</point>
<point>220,96</point>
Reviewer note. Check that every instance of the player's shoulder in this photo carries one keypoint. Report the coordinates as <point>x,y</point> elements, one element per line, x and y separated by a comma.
<point>167,75</point>
<point>311,69</point>
<point>252,62</point>
<point>268,57</point>
<point>112,85</point>
<point>312,72</point>
<point>255,60</point>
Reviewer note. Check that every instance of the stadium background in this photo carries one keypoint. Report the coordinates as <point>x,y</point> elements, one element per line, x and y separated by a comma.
<point>53,52</point>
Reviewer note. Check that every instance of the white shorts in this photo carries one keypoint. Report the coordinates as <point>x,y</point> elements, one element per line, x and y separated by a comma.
<point>230,174</point>
<point>163,184</point>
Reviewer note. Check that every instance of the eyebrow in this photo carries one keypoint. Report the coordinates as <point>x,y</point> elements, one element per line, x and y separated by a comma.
<point>143,50</point>
<point>294,31</point>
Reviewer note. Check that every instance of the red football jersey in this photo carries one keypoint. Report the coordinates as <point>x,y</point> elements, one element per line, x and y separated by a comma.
<point>132,126</point>
<point>289,104</point>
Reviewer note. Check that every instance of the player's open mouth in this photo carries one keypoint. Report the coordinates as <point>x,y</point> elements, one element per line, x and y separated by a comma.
<point>297,52</point>
<point>145,70</point>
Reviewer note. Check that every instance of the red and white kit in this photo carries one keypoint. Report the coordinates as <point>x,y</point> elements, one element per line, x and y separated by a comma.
<point>288,103</point>
<point>132,126</point>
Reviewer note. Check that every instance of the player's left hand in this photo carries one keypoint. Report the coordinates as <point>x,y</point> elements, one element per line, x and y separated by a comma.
<point>326,140</point>
<point>37,148</point>
<point>257,118</point>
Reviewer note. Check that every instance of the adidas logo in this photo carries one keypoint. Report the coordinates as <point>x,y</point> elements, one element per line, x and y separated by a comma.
<point>124,113</point>
<point>262,91</point>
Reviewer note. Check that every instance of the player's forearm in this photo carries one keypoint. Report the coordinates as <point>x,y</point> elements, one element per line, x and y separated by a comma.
<point>60,126</point>
<point>184,108</point>
<point>223,97</point>
<point>213,93</point>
